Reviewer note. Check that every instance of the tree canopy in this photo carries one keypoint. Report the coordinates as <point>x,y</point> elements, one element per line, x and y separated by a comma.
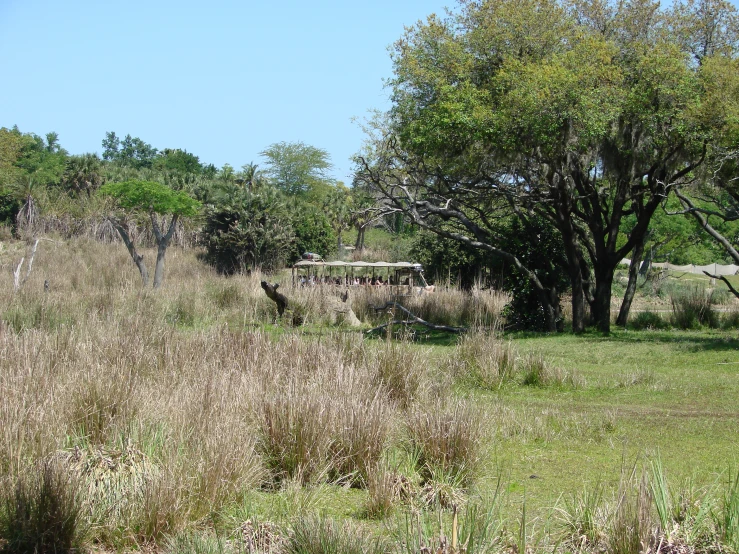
<point>581,113</point>
<point>151,197</point>
<point>297,168</point>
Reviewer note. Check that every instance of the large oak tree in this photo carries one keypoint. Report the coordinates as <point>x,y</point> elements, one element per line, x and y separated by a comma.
<point>583,113</point>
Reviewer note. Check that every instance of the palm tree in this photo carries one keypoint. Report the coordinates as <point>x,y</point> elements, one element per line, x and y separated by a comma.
<point>251,178</point>
<point>83,173</point>
<point>27,190</point>
<point>337,205</point>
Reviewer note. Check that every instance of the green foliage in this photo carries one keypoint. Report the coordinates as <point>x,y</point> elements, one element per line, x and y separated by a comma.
<point>678,239</point>
<point>9,206</point>
<point>83,174</point>
<point>527,241</point>
<point>181,161</point>
<point>534,104</point>
<point>444,258</point>
<point>245,230</point>
<point>130,152</point>
<point>647,320</point>
<point>27,155</point>
<point>297,168</point>
<point>313,230</point>
<point>151,197</point>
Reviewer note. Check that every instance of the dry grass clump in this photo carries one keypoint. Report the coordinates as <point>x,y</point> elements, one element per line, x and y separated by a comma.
<point>316,536</point>
<point>445,441</point>
<point>330,420</point>
<point>41,512</point>
<point>538,371</point>
<point>694,308</point>
<point>485,361</point>
<point>386,491</point>
<point>401,370</point>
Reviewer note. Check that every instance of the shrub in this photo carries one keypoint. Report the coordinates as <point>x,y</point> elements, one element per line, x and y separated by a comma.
<point>484,361</point>
<point>248,230</point>
<point>446,440</point>
<point>694,309</point>
<point>313,536</point>
<point>41,514</point>
<point>647,320</point>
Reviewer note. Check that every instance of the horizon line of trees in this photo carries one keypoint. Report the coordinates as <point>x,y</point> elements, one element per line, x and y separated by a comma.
<point>252,217</point>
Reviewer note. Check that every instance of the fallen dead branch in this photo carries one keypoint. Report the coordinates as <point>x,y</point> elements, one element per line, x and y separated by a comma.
<point>412,319</point>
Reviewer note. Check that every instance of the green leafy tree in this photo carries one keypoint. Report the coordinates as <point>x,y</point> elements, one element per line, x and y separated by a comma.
<point>313,230</point>
<point>245,230</point>
<point>129,151</point>
<point>153,199</point>
<point>582,113</point>
<point>83,174</point>
<point>296,168</point>
<point>337,204</point>
<point>180,161</point>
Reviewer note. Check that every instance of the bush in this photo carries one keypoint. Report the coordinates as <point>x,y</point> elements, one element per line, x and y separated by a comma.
<point>484,361</point>
<point>647,320</point>
<point>446,441</point>
<point>313,232</point>
<point>246,231</point>
<point>41,514</point>
<point>527,242</point>
<point>694,309</point>
<point>313,536</point>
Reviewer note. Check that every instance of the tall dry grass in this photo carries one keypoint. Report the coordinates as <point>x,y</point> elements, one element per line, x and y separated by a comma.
<point>166,408</point>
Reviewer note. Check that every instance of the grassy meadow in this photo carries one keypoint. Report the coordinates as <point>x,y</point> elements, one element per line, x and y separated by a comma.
<point>190,419</point>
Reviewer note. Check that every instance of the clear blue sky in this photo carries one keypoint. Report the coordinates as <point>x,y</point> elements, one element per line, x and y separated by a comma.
<point>222,79</point>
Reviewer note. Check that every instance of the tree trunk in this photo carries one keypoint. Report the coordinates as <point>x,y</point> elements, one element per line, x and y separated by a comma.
<point>552,310</point>
<point>623,314</point>
<point>159,267</point>
<point>137,258</point>
<point>576,282</point>
<point>359,243</point>
<point>162,244</point>
<point>602,300</point>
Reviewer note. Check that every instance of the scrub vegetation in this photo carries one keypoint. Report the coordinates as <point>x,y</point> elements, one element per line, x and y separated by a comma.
<point>183,420</point>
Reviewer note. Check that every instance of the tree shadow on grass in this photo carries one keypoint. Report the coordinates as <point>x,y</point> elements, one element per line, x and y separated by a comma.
<point>693,341</point>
